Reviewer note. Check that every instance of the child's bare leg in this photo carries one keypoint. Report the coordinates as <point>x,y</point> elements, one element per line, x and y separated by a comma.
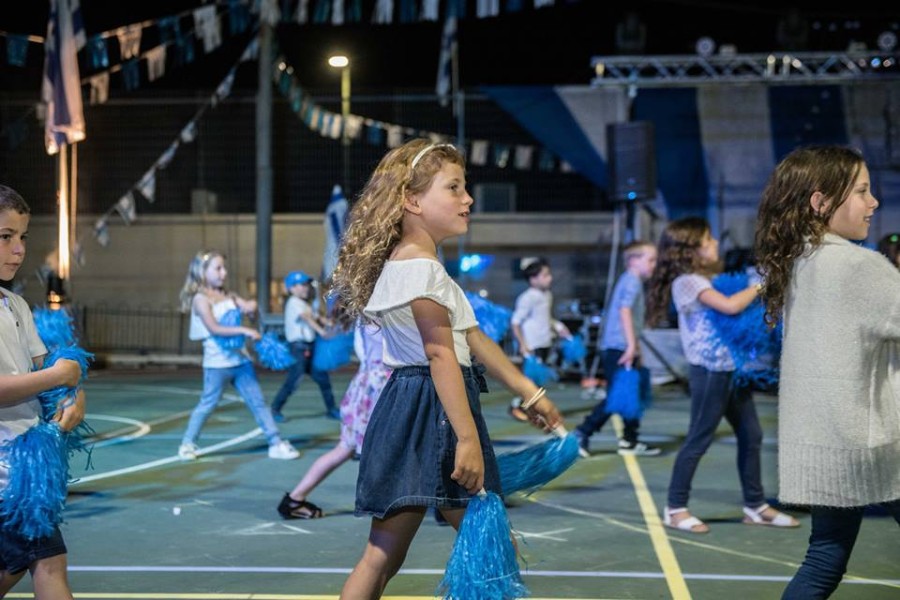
<point>8,581</point>
<point>320,469</point>
<point>389,540</point>
<point>50,578</point>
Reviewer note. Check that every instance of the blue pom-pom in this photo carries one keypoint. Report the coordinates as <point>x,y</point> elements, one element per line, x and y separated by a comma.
<point>755,348</point>
<point>492,318</point>
<point>33,501</point>
<point>538,372</point>
<point>624,394</point>
<point>533,466</point>
<point>332,352</point>
<point>52,397</point>
<point>573,349</point>
<point>231,318</point>
<point>483,563</point>
<point>273,353</point>
<point>55,327</point>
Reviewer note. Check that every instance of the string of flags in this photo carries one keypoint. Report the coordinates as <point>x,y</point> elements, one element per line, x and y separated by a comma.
<point>176,37</point>
<point>330,124</point>
<point>208,28</point>
<point>126,206</point>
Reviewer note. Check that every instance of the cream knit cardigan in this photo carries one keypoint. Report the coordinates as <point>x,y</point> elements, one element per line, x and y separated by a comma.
<point>839,387</point>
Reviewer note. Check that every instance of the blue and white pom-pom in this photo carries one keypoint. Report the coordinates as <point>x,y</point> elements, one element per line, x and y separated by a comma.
<point>755,348</point>
<point>492,318</point>
<point>231,318</point>
<point>273,353</point>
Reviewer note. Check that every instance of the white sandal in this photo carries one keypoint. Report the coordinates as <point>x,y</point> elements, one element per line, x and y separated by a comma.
<point>754,516</point>
<point>690,524</point>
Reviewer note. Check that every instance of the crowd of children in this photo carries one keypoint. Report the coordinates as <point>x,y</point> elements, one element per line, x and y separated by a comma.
<point>412,413</point>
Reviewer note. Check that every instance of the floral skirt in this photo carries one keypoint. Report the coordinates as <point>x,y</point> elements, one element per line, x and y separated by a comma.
<point>359,401</point>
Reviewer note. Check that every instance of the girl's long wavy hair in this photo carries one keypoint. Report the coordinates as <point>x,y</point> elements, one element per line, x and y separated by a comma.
<point>787,219</point>
<point>677,249</point>
<point>374,225</point>
<point>195,279</point>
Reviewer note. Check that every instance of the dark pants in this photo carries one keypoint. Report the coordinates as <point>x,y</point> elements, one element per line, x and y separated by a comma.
<point>593,422</point>
<point>303,353</point>
<point>834,532</point>
<point>714,395</point>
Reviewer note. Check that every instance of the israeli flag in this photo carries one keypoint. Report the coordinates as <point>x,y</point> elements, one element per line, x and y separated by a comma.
<point>61,88</point>
<point>444,86</point>
<point>335,219</point>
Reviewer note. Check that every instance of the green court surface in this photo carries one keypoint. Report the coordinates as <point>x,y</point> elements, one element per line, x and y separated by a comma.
<point>143,524</point>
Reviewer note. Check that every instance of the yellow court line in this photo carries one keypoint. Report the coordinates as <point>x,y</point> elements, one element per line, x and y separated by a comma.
<point>671,569</point>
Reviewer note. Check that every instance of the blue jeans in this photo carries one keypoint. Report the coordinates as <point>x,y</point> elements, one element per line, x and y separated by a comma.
<point>243,377</point>
<point>714,395</point>
<point>834,532</point>
<point>303,353</point>
<point>593,422</point>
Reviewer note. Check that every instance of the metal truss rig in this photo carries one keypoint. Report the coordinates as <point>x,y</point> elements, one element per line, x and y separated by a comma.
<point>776,68</point>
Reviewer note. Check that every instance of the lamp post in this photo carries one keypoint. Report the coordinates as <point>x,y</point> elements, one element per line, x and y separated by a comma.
<point>341,62</point>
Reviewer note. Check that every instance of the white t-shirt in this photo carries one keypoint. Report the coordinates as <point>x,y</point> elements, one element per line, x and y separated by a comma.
<point>19,345</point>
<point>698,334</point>
<point>296,327</point>
<point>214,356</point>
<point>532,315</point>
<point>401,282</point>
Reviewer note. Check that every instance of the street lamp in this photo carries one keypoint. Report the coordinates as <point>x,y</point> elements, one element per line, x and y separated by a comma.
<point>341,62</point>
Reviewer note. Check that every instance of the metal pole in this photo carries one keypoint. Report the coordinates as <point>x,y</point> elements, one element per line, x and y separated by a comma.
<point>264,172</point>
<point>345,135</point>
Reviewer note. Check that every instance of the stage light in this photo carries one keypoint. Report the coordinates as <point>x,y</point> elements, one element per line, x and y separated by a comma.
<point>705,46</point>
<point>887,41</point>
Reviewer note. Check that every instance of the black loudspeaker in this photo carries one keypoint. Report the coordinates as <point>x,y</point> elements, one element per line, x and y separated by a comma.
<point>631,156</point>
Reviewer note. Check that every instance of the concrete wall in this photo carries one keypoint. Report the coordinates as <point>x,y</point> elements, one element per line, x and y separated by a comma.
<point>145,263</point>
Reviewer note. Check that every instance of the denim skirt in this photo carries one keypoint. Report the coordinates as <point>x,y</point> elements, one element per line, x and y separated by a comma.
<point>409,448</point>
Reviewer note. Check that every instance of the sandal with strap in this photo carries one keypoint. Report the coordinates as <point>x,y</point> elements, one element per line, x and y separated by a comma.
<point>289,508</point>
<point>691,524</point>
<point>756,516</point>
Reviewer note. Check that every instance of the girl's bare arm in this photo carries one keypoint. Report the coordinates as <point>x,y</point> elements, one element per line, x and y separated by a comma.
<point>433,323</point>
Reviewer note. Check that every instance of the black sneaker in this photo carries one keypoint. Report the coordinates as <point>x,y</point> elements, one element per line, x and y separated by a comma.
<point>637,449</point>
<point>584,442</point>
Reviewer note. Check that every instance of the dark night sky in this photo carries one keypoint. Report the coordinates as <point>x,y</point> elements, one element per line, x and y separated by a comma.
<point>552,45</point>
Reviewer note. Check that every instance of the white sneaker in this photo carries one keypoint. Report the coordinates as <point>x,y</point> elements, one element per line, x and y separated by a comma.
<point>188,451</point>
<point>283,451</point>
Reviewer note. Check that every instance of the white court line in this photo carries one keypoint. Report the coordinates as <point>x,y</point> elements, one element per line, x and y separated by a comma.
<point>432,572</point>
<point>144,427</point>
<point>172,459</point>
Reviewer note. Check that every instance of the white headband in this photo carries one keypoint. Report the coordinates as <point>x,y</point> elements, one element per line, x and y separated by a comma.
<point>425,151</point>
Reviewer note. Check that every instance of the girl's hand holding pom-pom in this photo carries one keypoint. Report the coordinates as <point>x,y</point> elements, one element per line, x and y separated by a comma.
<point>253,334</point>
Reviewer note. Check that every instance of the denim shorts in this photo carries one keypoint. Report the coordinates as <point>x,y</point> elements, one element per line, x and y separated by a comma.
<point>409,448</point>
<point>17,553</point>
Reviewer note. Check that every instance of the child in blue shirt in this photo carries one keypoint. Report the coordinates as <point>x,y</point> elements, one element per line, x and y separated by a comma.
<point>620,343</point>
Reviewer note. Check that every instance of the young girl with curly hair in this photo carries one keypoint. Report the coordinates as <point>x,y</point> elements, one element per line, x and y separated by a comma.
<point>426,444</point>
<point>838,412</point>
<point>688,258</point>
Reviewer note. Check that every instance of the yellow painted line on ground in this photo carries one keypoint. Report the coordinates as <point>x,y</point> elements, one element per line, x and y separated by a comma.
<point>671,569</point>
